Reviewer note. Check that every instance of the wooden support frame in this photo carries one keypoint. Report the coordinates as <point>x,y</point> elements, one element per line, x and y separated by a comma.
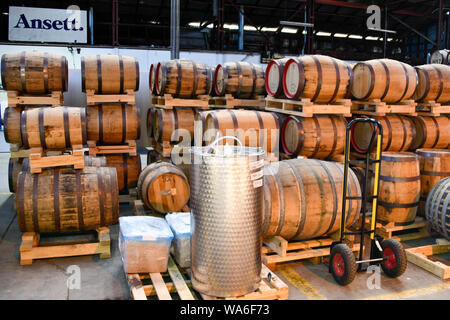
<point>169,102</point>
<point>40,159</point>
<point>376,107</point>
<point>129,147</point>
<point>417,230</point>
<point>306,108</point>
<point>420,256</point>
<point>92,98</point>
<point>141,210</point>
<point>31,248</point>
<point>432,109</point>
<point>230,102</point>
<point>15,98</point>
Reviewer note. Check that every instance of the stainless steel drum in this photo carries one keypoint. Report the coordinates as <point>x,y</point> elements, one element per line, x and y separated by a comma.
<point>226,204</point>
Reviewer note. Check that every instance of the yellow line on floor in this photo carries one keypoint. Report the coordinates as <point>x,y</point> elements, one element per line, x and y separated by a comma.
<point>300,283</point>
<point>412,293</point>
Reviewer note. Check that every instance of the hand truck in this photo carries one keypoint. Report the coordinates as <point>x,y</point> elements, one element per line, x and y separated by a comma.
<point>388,253</point>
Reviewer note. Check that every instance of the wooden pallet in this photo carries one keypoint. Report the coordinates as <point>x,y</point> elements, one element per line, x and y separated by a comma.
<point>375,107</point>
<point>271,287</point>
<point>230,102</point>
<point>417,230</point>
<point>129,147</point>
<point>32,249</point>
<point>162,286</point>
<point>93,98</point>
<point>16,151</point>
<point>307,108</point>
<point>169,102</point>
<point>432,109</point>
<point>278,250</point>
<point>424,257</point>
<point>40,159</point>
<point>53,99</point>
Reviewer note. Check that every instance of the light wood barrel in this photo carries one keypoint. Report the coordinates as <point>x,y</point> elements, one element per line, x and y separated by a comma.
<point>34,72</point>
<point>389,80</point>
<point>113,123</point>
<point>434,166</point>
<point>55,128</point>
<point>252,128</point>
<point>14,167</point>
<point>152,78</point>
<point>303,198</point>
<point>243,80</point>
<point>399,188</point>
<point>431,132</point>
<point>399,133</point>
<point>109,73</point>
<point>274,78</point>
<point>319,137</point>
<point>150,121</point>
<point>183,78</point>
<point>67,200</point>
<point>173,125</point>
<point>128,169</point>
<point>434,83</point>
<point>163,187</point>
<point>436,209</point>
<point>11,125</point>
<point>441,57</point>
<point>320,78</point>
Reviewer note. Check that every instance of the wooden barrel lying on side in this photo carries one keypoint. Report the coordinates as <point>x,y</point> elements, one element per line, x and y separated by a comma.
<point>436,208</point>
<point>113,123</point>
<point>389,80</point>
<point>319,137</point>
<point>243,80</point>
<point>434,83</point>
<point>163,187</point>
<point>303,198</point>
<point>434,166</point>
<point>128,169</point>
<point>14,167</point>
<point>23,164</point>
<point>274,78</point>
<point>319,78</point>
<point>67,200</point>
<point>431,132</point>
<point>56,128</point>
<point>11,125</point>
<point>252,128</point>
<point>174,125</point>
<point>399,188</point>
<point>183,78</point>
<point>150,121</point>
<point>151,79</point>
<point>109,73</point>
<point>399,133</point>
<point>440,57</point>
<point>34,72</point>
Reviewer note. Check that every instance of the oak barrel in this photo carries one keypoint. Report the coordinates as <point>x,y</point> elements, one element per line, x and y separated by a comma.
<point>128,169</point>
<point>113,123</point>
<point>434,166</point>
<point>431,132</point>
<point>163,187</point>
<point>151,79</point>
<point>440,57</point>
<point>319,137</point>
<point>174,125</point>
<point>150,121</point>
<point>399,133</point>
<point>34,72</point>
<point>109,73</point>
<point>11,125</point>
<point>319,78</point>
<point>274,78</point>
<point>437,207</point>
<point>252,128</point>
<point>399,188</point>
<point>183,78</point>
<point>55,128</point>
<point>243,80</point>
<point>389,80</point>
<point>14,167</point>
<point>67,200</point>
<point>303,198</point>
<point>434,83</point>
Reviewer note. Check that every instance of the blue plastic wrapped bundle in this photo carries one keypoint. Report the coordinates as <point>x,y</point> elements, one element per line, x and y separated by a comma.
<point>144,243</point>
<point>180,223</point>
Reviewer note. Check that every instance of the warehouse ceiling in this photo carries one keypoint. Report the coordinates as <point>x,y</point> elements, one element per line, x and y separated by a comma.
<point>339,26</point>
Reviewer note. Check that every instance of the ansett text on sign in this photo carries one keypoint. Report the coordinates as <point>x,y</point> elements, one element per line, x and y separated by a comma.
<point>47,25</point>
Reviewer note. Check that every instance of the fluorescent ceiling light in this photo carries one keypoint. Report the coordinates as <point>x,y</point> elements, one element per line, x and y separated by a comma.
<point>323,34</point>
<point>289,30</point>
<point>267,29</point>
<point>231,26</point>
<point>249,28</point>
<point>194,24</point>
<point>340,35</point>
<point>390,39</point>
<point>371,38</point>
<point>355,36</point>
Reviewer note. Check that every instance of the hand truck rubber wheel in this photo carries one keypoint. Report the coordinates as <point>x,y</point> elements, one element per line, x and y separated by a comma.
<point>342,264</point>
<point>395,264</point>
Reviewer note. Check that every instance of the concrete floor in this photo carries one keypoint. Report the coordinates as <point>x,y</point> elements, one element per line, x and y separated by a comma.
<point>105,279</point>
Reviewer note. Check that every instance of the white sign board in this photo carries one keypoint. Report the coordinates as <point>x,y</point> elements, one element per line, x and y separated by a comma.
<point>47,25</point>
